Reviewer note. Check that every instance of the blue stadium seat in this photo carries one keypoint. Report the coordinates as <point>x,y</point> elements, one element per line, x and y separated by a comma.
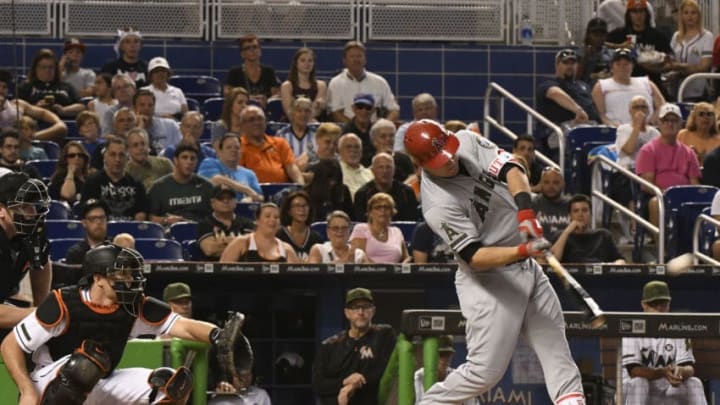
<point>407,228</point>
<point>86,100</point>
<point>275,192</point>
<point>707,235</point>
<point>159,249</point>
<point>59,210</point>
<point>183,231</point>
<point>685,109</point>
<point>59,247</point>
<point>193,104</point>
<point>247,209</point>
<point>207,131</point>
<point>193,251</point>
<point>274,110</point>
<point>682,206</point>
<point>198,86</point>
<point>321,228</point>
<point>45,167</point>
<point>579,142</point>
<point>138,229</point>
<point>72,129</point>
<point>52,150</point>
<point>212,108</point>
<point>273,127</point>
<point>64,228</point>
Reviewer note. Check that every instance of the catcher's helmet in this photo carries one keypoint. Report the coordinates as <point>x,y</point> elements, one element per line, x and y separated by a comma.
<point>430,144</point>
<point>124,268</point>
<point>27,199</point>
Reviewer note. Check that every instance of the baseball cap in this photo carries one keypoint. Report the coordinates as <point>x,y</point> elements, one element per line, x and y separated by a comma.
<point>358,294</point>
<point>175,291</point>
<point>623,53</point>
<point>364,98</point>
<point>221,189</point>
<point>93,203</point>
<point>445,343</point>
<point>597,24</point>
<point>669,108</point>
<point>636,4</point>
<point>565,54</point>
<point>656,290</point>
<point>74,43</point>
<point>158,62</point>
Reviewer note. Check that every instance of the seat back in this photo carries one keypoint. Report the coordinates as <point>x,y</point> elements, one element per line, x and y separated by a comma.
<point>321,228</point>
<point>407,228</point>
<point>52,149</point>
<point>193,104</point>
<point>193,251</point>
<point>59,210</point>
<point>247,209</point>
<point>198,86</point>
<point>683,236</point>
<point>580,141</point>
<point>273,127</point>
<point>184,231</point>
<point>64,228</point>
<point>274,110</point>
<point>159,249</point>
<point>679,214</point>
<point>212,108</point>
<point>46,167</point>
<point>276,192</point>
<point>72,129</point>
<point>138,229</point>
<point>685,109</point>
<point>59,247</point>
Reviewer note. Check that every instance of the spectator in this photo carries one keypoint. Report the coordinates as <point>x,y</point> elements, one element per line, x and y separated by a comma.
<point>659,370</point>
<point>123,120</point>
<point>424,106</point>
<point>81,79</point>
<point>579,243</point>
<point>104,99</point>
<point>10,110</point>
<point>244,388</point>
<point>143,167</point>
<point>701,132</point>
<point>181,195</point>
<point>348,366</point>
<point>454,126</point>
<point>128,48</point>
<point>446,351</point>
<point>296,215</point>
<point>28,151</point>
<point>124,195</point>
<point>355,175</point>
<point>88,124</point>
<point>218,229</point>
<point>614,13</point>
<point>94,220</point>
<point>715,212</point>
<point>382,136</point>
<point>337,249</point>
<point>299,135</point>
<point>123,88</point>
<point>10,153</point>
<point>170,101</point>
<point>325,147</point>
<point>261,245</point>
<point>301,82</point>
<point>711,169</point>
<point>327,191</point>
<point>651,45</point>
<point>179,297</point>
<point>225,170</point>
<point>693,47</point>
<point>594,56</point>
<point>363,107</point>
<point>551,204</point>
<point>654,165</point>
<point>381,242</point>
<point>230,120</point>
<point>260,81</point>
<point>428,247</point>
<point>43,87</point>
<point>269,157</point>
<point>162,132</point>
<point>124,240</point>
<point>383,169</point>
<point>355,79</point>
<point>191,128</point>
<point>524,146</point>
<point>612,95</point>
<point>632,136</point>
<point>72,170</point>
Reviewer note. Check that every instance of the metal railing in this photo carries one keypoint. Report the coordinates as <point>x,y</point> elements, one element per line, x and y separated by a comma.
<point>488,120</point>
<point>696,239</point>
<point>658,230</point>
<point>694,76</point>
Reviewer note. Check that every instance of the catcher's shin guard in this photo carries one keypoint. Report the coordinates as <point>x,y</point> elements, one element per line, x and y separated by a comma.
<point>77,377</point>
<point>176,385</point>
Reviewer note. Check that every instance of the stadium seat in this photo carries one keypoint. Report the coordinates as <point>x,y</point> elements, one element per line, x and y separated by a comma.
<point>321,228</point>
<point>707,235</point>
<point>207,131</point>
<point>159,249</point>
<point>212,108</point>
<point>579,142</point>
<point>198,86</point>
<point>86,100</point>
<point>72,129</point>
<point>182,231</point>
<point>273,127</point>
<point>52,149</point>
<point>274,110</point>
<point>682,205</point>
<point>64,228</point>
<point>45,167</point>
<point>247,209</point>
<point>59,247</point>
<point>59,210</point>
<point>138,229</point>
<point>275,192</point>
<point>685,109</point>
<point>407,228</point>
<point>193,251</point>
<point>193,104</point>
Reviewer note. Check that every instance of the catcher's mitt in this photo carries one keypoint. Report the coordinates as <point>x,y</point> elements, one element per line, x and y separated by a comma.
<point>233,348</point>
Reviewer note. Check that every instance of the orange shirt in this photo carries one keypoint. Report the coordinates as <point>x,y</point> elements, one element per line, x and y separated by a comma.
<point>268,162</point>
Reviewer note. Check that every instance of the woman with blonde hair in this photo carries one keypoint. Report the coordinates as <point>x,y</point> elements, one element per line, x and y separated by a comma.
<point>701,132</point>
<point>693,48</point>
<point>381,242</point>
<point>337,249</point>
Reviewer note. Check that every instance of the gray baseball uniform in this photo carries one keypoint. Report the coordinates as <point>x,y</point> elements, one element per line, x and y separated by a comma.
<point>499,304</point>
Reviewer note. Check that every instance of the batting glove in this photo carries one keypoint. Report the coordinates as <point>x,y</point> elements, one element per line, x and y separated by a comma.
<point>535,247</point>
<point>529,226</point>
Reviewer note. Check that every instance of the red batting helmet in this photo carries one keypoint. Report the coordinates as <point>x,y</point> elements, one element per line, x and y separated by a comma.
<point>430,143</point>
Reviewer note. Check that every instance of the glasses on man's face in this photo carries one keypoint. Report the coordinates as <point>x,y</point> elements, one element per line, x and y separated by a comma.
<point>706,114</point>
<point>363,107</point>
<point>96,218</point>
<point>361,307</point>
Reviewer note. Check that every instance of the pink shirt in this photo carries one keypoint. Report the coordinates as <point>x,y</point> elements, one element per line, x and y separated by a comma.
<point>377,251</point>
<point>673,165</point>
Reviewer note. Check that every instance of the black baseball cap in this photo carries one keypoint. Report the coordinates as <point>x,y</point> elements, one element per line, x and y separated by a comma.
<point>623,53</point>
<point>221,189</point>
<point>93,203</point>
<point>597,25</point>
<point>565,54</point>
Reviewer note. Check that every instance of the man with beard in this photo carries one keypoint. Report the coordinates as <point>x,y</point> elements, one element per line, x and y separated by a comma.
<point>94,220</point>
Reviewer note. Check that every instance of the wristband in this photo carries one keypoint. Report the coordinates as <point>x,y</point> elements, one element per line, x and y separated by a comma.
<point>523,250</point>
<point>523,201</point>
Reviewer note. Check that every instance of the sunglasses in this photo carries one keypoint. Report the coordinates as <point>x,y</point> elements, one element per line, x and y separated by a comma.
<point>74,155</point>
<point>706,114</point>
<point>363,107</point>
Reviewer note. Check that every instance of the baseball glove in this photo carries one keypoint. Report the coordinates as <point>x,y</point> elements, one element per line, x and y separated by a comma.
<point>233,348</point>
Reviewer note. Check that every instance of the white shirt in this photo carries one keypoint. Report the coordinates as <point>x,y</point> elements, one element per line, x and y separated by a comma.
<point>654,353</point>
<point>617,97</point>
<point>622,136</point>
<point>343,88</point>
<point>693,52</point>
<point>168,102</point>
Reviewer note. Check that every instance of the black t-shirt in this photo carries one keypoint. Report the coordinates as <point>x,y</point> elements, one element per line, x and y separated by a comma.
<point>711,168</point>
<point>190,201</point>
<point>648,40</point>
<point>268,79</point>
<point>34,91</point>
<point>137,71</point>
<point>211,227</point>
<point>576,89</point>
<point>125,198</point>
<point>55,186</point>
<point>594,246</point>
<point>303,250</point>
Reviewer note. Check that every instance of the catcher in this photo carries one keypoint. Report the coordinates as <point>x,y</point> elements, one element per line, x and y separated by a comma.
<point>78,333</point>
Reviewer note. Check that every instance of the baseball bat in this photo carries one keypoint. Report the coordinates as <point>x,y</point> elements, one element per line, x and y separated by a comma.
<point>583,299</point>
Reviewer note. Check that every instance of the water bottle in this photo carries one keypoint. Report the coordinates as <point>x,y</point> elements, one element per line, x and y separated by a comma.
<point>526,31</point>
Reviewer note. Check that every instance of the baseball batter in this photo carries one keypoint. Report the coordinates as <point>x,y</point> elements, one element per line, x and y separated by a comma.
<point>476,197</point>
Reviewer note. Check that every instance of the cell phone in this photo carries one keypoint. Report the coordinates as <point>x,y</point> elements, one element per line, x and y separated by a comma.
<point>49,99</point>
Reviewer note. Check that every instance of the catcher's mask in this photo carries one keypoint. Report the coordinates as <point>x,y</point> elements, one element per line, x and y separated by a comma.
<point>29,205</point>
<point>123,267</point>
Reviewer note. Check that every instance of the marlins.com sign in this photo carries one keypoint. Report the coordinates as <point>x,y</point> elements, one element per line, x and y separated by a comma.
<point>683,327</point>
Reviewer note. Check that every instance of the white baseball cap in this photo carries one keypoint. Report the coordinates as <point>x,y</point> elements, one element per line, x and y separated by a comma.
<point>158,62</point>
<point>669,108</point>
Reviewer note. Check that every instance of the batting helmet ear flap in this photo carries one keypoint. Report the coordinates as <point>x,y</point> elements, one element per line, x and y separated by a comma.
<point>430,143</point>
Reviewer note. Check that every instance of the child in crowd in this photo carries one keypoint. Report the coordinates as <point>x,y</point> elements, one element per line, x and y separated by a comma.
<point>103,96</point>
<point>88,124</point>
<point>28,151</point>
